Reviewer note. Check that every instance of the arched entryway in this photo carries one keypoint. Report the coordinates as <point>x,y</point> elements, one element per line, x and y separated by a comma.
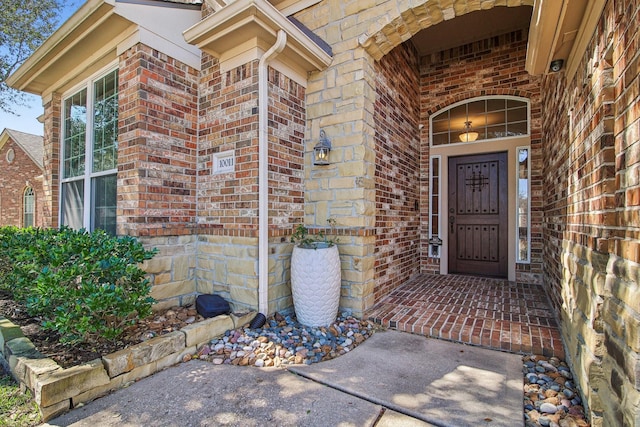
<point>425,105</point>
<point>479,193</point>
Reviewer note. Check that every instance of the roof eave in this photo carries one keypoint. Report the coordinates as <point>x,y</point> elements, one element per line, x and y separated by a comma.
<point>561,29</point>
<point>37,72</point>
<point>246,20</point>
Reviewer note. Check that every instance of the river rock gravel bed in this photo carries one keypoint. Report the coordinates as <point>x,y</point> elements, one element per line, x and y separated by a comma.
<point>284,341</point>
<point>551,398</point>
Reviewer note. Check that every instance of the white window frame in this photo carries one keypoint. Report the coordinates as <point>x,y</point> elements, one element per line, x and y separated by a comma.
<point>87,84</point>
<point>517,231</point>
<point>32,205</point>
<point>432,232</point>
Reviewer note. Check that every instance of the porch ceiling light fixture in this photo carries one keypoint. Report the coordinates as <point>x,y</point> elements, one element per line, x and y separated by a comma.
<point>321,150</point>
<point>469,135</point>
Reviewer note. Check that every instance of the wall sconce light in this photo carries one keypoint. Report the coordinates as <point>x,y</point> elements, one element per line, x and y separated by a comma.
<point>321,150</point>
<point>469,135</point>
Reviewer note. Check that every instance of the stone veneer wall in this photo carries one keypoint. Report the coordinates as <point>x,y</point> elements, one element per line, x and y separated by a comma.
<point>15,177</point>
<point>396,115</point>
<point>494,66</point>
<point>592,214</point>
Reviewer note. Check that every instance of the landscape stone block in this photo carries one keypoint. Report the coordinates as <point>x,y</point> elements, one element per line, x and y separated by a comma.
<point>115,383</point>
<point>8,331</point>
<point>52,411</point>
<point>144,353</point>
<point>241,319</point>
<point>67,383</point>
<point>29,370</point>
<point>201,332</point>
<point>139,372</point>
<point>175,358</point>
<point>20,347</point>
<point>97,392</point>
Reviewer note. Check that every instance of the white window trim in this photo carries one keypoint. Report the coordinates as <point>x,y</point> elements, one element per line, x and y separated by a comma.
<point>431,186</point>
<point>24,206</point>
<point>517,231</point>
<point>87,84</point>
<point>527,101</point>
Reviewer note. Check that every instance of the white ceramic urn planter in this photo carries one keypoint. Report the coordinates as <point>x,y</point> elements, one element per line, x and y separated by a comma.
<point>315,284</point>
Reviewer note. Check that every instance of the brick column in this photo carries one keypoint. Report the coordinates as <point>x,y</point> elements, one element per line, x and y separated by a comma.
<point>157,140</point>
<point>51,159</point>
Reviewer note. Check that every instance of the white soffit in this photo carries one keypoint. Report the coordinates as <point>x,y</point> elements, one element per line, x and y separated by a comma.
<point>246,28</point>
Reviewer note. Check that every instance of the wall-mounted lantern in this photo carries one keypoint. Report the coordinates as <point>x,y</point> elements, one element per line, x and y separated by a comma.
<point>321,150</point>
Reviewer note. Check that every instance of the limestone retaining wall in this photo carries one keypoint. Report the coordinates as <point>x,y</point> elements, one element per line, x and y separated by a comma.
<point>57,390</point>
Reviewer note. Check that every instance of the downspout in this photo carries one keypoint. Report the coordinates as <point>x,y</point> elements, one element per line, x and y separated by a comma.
<point>263,172</point>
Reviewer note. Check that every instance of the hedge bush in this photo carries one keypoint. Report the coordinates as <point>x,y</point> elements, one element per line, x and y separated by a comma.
<point>86,286</point>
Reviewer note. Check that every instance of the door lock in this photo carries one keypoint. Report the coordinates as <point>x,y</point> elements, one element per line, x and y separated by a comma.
<point>452,220</point>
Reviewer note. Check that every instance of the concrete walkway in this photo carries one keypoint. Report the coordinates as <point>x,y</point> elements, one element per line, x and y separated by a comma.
<point>392,379</point>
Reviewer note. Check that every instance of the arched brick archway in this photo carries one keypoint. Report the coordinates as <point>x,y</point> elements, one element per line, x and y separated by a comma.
<point>396,29</point>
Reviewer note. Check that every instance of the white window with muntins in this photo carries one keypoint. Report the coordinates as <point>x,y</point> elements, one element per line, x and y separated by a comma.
<point>89,155</point>
<point>28,207</point>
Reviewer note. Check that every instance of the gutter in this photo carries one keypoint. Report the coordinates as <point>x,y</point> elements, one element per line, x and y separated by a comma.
<point>263,171</point>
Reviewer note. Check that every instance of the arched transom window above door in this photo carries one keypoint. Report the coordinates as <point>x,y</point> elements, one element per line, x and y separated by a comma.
<point>480,119</point>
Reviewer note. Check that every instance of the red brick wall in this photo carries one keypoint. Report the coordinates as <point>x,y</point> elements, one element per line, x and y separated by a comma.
<point>493,66</point>
<point>287,119</point>
<point>228,202</point>
<point>158,106</point>
<point>14,178</point>
<point>396,115</point>
<point>51,160</point>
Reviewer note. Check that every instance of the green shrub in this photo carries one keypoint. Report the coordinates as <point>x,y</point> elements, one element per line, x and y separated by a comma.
<point>83,285</point>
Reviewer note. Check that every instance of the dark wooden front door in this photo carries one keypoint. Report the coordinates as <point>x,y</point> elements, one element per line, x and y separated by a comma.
<point>478,217</point>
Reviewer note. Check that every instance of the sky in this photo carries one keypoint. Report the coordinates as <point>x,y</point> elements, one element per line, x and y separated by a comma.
<point>26,118</point>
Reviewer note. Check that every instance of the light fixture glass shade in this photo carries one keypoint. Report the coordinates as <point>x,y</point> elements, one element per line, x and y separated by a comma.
<point>321,150</point>
<point>469,135</point>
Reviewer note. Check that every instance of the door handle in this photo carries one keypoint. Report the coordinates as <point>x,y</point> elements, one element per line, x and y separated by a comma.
<point>452,220</point>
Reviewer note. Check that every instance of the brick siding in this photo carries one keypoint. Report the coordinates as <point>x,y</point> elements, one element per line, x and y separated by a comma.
<point>396,115</point>
<point>158,108</point>
<point>228,202</point>
<point>51,159</point>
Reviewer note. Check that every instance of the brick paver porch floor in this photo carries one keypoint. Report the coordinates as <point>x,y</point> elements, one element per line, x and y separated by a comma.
<point>492,313</point>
